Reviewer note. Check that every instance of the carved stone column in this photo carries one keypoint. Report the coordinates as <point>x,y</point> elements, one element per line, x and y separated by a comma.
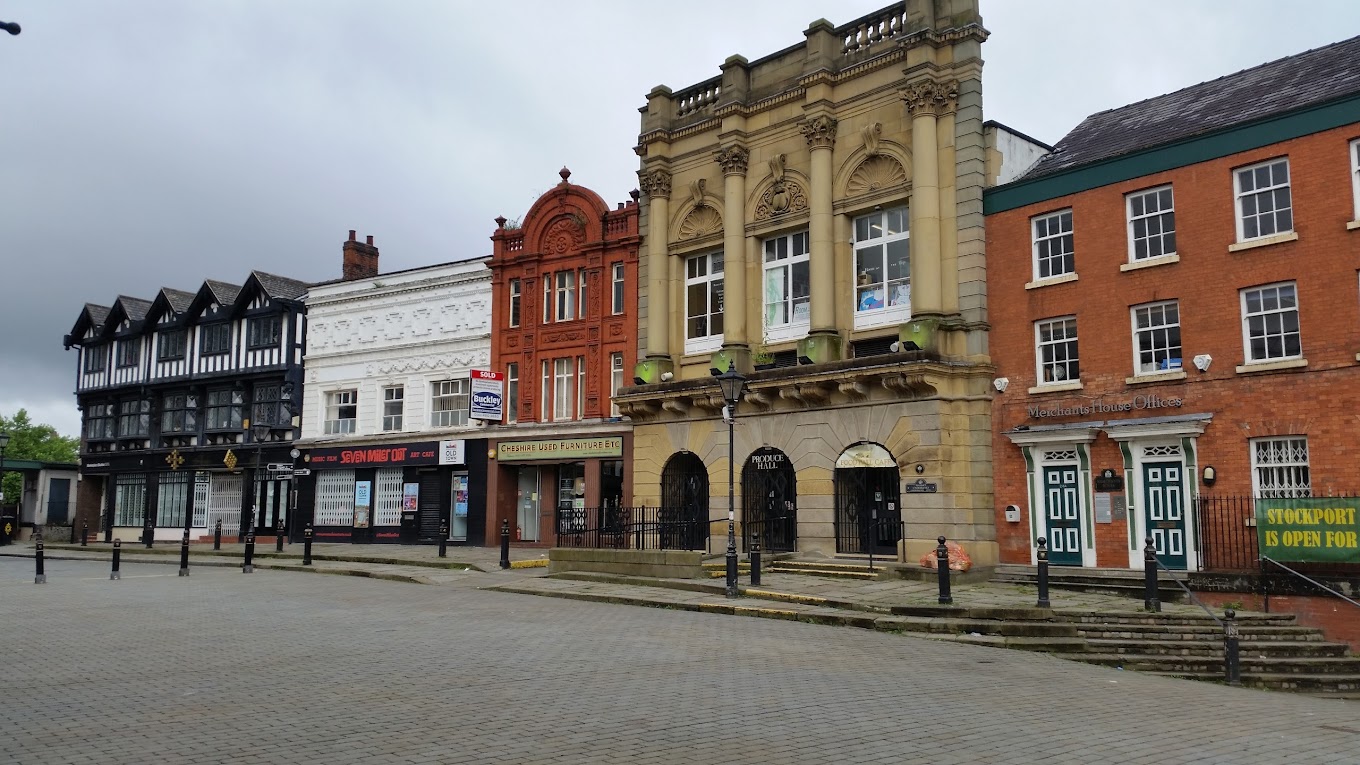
<point>656,184</point>
<point>925,101</point>
<point>820,133</point>
<point>733,160</point>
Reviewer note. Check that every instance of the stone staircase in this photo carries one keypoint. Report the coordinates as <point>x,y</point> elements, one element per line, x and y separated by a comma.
<point>1123,582</point>
<point>826,568</point>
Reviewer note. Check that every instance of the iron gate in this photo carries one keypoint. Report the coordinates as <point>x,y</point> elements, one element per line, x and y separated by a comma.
<point>769,501</point>
<point>868,510</point>
<point>683,521</point>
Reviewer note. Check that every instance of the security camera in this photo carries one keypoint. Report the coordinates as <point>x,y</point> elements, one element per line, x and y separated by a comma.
<point>896,347</point>
<point>666,376</point>
<point>1203,361</point>
<point>727,414</point>
<point>1000,383</point>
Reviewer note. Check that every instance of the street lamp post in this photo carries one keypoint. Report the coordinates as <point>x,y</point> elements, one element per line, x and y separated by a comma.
<point>259,431</point>
<point>732,384</point>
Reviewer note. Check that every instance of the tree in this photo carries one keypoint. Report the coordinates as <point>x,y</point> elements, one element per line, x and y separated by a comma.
<point>32,441</point>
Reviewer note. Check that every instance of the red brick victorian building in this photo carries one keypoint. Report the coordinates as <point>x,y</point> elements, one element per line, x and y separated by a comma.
<point>564,329</point>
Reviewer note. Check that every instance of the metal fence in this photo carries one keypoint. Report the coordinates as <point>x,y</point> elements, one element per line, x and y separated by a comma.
<point>632,528</point>
<point>1225,526</point>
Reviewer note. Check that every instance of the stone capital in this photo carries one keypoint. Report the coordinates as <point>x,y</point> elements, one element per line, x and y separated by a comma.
<point>930,98</point>
<point>656,184</point>
<point>733,159</point>
<point>820,132</point>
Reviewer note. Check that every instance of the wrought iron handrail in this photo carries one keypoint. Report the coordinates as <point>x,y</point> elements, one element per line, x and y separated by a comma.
<point>1172,576</point>
<point>1308,579</point>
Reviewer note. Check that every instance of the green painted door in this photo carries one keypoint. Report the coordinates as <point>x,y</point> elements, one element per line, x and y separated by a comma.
<point>1062,507</point>
<point>1165,513</point>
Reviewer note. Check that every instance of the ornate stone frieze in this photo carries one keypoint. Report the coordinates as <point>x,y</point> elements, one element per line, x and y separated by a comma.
<point>874,173</point>
<point>700,222</point>
<point>656,184</point>
<point>932,98</point>
<point>820,132</point>
<point>562,236</point>
<point>782,196</point>
<point>733,159</point>
<point>870,134</point>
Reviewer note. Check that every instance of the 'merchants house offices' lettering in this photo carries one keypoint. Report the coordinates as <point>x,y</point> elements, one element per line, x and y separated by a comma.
<point>1099,406</point>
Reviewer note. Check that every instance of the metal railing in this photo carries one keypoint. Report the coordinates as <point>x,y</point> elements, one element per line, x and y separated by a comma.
<point>1232,662</point>
<point>1225,529</point>
<point>1265,582</point>
<point>632,528</point>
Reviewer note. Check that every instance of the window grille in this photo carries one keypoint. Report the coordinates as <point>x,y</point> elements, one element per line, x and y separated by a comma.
<point>334,498</point>
<point>390,488</point>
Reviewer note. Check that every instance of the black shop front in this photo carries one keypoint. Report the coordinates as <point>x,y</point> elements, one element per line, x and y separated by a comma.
<point>396,493</point>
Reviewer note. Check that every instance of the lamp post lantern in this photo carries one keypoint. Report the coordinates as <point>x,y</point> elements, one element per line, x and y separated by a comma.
<point>732,384</point>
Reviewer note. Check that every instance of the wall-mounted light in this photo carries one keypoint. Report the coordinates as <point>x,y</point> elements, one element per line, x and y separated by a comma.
<point>920,469</point>
<point>491,454</point>
<point>1001,383</point>
<point>1210,475</point>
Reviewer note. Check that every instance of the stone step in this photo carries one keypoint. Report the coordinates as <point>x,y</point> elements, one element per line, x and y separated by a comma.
<point>839,572</point>
<point>1133,619</point>
<point>820,565</point>
<point>1210,631</point>
<point>1318,686</point>
<point>1165,593</point>
<point>1324,667</point>
<point>1207,647</point>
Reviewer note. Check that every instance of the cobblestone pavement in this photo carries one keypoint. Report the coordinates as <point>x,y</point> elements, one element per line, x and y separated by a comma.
<point>273,667</point>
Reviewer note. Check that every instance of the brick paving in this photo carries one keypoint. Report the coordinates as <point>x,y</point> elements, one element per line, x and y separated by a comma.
<point>223,667</point>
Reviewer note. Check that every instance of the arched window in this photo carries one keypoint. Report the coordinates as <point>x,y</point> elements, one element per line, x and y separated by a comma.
<point>868,504</point>
<point>769,497</point>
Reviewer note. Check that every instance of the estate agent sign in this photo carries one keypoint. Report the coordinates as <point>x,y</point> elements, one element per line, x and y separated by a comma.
<point>1312,530</point>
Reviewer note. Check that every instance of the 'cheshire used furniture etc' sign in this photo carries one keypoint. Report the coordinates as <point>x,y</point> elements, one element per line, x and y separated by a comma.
<point>1100,406</point>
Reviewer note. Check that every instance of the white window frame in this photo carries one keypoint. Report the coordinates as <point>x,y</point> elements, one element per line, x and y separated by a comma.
<point>1049,237</point>
<point>547,298</point>
<point>1153,215</point>
<point>394,405</point>
<point>1159,338</point>
<point>563,373</point>
<point>580,293</point>
<point>449,403</point>
<point>512,392</point>
<point>545,391</point>
<point>708,280</point>
<point>1355,176</point>
<point>1267,331</point>
<point>339,403</point>
<point>513,289</point>
<point>796,253</point>
<point>1256,193</point>
<point>615,382</point>
<point>878,298</point>
<point>617,294</point>
<point>566,295</point>
<point>580,387</point>
<point>1277,472</point>
<point>1042,365</point>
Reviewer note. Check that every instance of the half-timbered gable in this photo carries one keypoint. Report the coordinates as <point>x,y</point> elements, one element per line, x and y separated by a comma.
<point>170,341</point>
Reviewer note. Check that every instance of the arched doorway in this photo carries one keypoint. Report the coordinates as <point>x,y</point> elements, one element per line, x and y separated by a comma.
<point>868,505</point>
<point>683,517</point>
<point>769,500</point>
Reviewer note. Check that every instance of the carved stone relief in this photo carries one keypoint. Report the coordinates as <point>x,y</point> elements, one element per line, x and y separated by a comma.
<point>874,173</point>
<point>700,222</point>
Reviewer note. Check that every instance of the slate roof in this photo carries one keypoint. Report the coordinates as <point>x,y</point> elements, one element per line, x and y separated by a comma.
<point>134,308</point>
<point>1289,84</point>
<point>178,299</point>
<point>280,287</point>
<point>224,292</point>
<point>97,313</point>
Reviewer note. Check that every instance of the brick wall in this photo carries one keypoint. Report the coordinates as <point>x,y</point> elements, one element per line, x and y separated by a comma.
<point>1320,401</point>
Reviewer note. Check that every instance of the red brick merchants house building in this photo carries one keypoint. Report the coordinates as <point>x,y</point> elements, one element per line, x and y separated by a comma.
<point>564,328</point>
<point>1175,313</point>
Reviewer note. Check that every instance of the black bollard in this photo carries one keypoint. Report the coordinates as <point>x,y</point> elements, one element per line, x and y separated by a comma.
<point>117,553</point>
<point>1043,574</point>
<point>505,544</point>
<point>184,555</point>
<point>755,562</point>
<point>1232,663</point>
<point>942,564</point>
<point>307,546</point>
<point>278,537</point>
<point>217,535</point>
<point>1150,600</point>
<point>248,567</point>
<point>84,534</point>
<point>39,576</point>
<point>148,532</point>
<point>443,539</point>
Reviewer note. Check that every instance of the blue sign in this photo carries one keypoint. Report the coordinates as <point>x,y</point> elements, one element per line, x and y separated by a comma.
<point>488,396</point>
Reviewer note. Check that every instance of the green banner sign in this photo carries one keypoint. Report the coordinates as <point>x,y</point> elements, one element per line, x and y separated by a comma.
<point>1313,530</point>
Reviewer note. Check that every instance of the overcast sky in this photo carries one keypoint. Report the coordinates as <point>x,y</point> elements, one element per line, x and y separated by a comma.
<point>158,143</point>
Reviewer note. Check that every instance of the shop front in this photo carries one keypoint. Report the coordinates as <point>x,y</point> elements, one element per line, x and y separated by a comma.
<point>546,487</point>
<point>397,493</point>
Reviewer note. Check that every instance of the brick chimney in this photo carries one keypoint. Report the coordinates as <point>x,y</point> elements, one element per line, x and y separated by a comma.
<point>360,259</point>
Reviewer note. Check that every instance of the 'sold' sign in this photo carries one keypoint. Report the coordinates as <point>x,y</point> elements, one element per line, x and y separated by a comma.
<point>1313,530</point>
